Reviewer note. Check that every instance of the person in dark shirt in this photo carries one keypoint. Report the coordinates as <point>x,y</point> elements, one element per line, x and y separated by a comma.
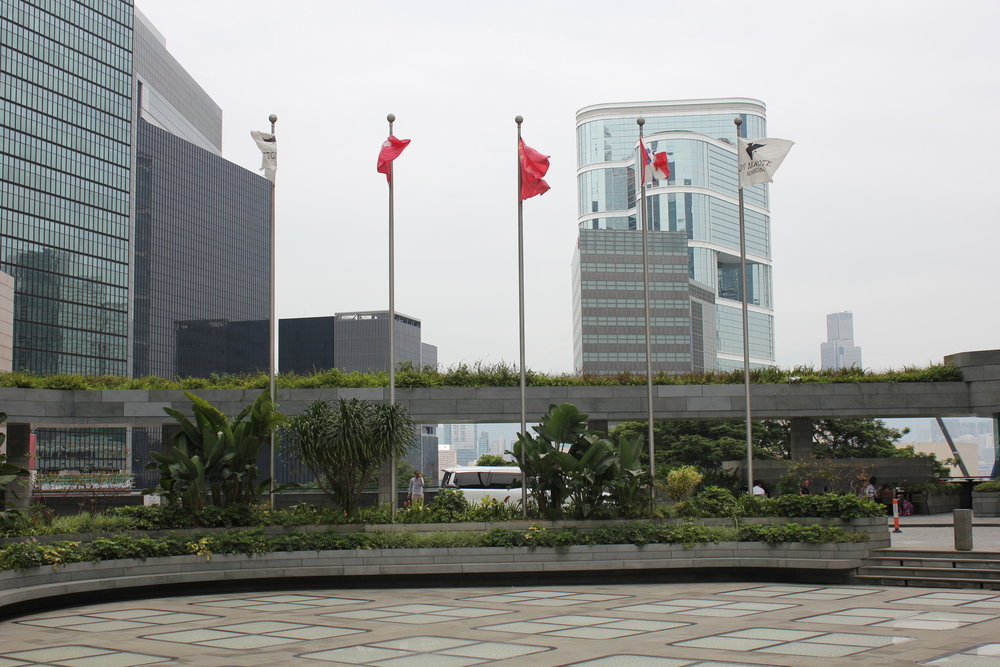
<point>805,489</point>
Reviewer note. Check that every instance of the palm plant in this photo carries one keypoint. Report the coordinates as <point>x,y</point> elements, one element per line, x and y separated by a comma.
<point>346,445</point>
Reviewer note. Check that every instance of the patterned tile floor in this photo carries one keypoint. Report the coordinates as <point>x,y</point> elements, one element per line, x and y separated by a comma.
<point>652,625</point>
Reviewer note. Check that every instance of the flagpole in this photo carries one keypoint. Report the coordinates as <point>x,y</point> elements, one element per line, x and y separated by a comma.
<point>272,325</point>
<point>640,121</point>
<point>746,316</point>
<point>520,303</point>
<point>392,318</point>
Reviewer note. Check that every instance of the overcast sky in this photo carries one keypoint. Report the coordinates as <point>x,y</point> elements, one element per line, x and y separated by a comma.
<point>886,206</point>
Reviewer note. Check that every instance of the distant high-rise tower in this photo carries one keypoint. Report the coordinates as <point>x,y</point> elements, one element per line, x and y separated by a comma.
<point>839,350</point>
<point>695,282</point>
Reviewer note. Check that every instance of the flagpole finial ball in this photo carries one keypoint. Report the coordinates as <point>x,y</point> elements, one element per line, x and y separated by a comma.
<point>519,119</point>
<point>738,121</point>
<point>640,121</point>
<point>273,118</point>
<point>391,118</point>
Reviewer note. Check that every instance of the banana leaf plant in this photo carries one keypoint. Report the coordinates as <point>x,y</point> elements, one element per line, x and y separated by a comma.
<point>629,487</point>
<point>213,456</point>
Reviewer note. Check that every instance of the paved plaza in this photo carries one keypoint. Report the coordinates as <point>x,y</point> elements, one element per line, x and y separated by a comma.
<point>627,625</point>
<point>654,625</point>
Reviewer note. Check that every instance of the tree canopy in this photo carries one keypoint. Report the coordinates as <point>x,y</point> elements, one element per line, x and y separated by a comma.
<point>708,443</point>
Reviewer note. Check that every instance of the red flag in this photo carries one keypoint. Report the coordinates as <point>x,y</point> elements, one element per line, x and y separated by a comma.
<point>655,166</point>
<point>391,148</point>
<point>533,167</point>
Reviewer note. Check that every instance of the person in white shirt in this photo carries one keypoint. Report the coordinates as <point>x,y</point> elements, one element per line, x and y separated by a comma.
<point>758,490</point>
<point>415,493</point>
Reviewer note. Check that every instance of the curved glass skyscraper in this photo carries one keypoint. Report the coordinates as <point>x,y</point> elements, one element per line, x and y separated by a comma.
<point>694,252</point>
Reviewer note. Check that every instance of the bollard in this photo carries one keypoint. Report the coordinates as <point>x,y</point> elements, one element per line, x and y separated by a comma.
<point>963,530</point>
<point>895,515</point>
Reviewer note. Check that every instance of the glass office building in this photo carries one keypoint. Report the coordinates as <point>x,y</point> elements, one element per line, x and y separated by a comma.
<point>116,206</point>
<point>135,248</point>
<point>66,80</point>
<point>698,204</point>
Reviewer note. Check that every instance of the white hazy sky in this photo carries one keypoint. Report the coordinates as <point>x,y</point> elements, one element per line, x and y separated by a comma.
<point>884,207</point>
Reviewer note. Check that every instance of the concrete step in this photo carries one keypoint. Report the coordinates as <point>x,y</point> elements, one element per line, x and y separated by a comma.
<point>884,580</point>
<point>930,572</point>
<point>894,552</point>
<point>946,563</point>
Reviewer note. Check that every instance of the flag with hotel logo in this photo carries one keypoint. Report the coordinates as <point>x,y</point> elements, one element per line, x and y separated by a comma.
<point>760,158</point>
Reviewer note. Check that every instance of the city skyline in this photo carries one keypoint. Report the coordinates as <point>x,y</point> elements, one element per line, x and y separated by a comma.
<point>455,76</point>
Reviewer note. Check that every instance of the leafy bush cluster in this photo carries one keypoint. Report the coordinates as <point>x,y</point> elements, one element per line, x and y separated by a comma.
<point>986,487</point>
<point>450,506</point>
<point>715,501</point>
<point>30,553</point>
<point>475,375</point>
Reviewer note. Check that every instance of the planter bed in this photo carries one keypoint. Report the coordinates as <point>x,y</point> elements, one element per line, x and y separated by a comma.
<point>47,585</point>
<point>875,527</point>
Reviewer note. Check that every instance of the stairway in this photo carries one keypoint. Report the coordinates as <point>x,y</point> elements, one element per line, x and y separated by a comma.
<point>936,569</point>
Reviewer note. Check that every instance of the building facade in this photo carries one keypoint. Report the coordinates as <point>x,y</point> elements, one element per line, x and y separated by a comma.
<point>839,350</point>
<point>118,217</point>
<point>694,252</point>
<point>359,341</point>
<point>66,83</point>
<point>125,231</point>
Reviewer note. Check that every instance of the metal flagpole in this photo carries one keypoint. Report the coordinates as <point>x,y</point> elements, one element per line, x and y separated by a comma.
<point>392,317</point>
<point>746,317</point>
<point>520,301</point>
<point>640,121</point>
<point>272,333</point>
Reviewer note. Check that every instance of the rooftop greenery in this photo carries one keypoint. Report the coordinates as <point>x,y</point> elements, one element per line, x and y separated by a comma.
<point>477,375</point>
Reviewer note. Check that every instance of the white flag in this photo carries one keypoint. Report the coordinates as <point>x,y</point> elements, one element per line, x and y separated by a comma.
<point>268,146</point>
<point>760,158</point>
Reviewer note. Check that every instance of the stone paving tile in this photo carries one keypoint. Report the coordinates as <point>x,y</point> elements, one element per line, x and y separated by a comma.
<point>632,660</point>
<point>962,599</point>
<point>705,607</point>
<point>792,642</point>
<point>584,627</point>
<point>595,630</point>
<point>426,650</point>
<point>547,598</point>
<point>121,619</point>
<point>275,603</point>
<point>253,635</point>
<point>80,656</point>
<point>985,654</point>
<point>900,618</point>
<point>415,614</point>
<point>785,591</point>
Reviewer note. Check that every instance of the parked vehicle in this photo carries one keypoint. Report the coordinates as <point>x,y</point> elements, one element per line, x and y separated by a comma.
<point>478,482</point>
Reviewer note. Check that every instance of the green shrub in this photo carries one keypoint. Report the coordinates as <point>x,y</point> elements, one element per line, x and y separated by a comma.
<point>450,505</point>
<point>490,509</point>
<point>13,523</point>
<point>793,532</point>
<point>476,375</point>
<point>85,522</point>
<point>829,505</point>
<point>985,487</point>
<point>682,481</point>
<point>713,501</point>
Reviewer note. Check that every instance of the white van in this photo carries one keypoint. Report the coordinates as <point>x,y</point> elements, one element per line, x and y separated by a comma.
<point>478,482</point>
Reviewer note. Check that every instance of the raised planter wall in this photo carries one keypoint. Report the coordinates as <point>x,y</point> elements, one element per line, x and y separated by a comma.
<point>76,578</point>
<point>986,503</point>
